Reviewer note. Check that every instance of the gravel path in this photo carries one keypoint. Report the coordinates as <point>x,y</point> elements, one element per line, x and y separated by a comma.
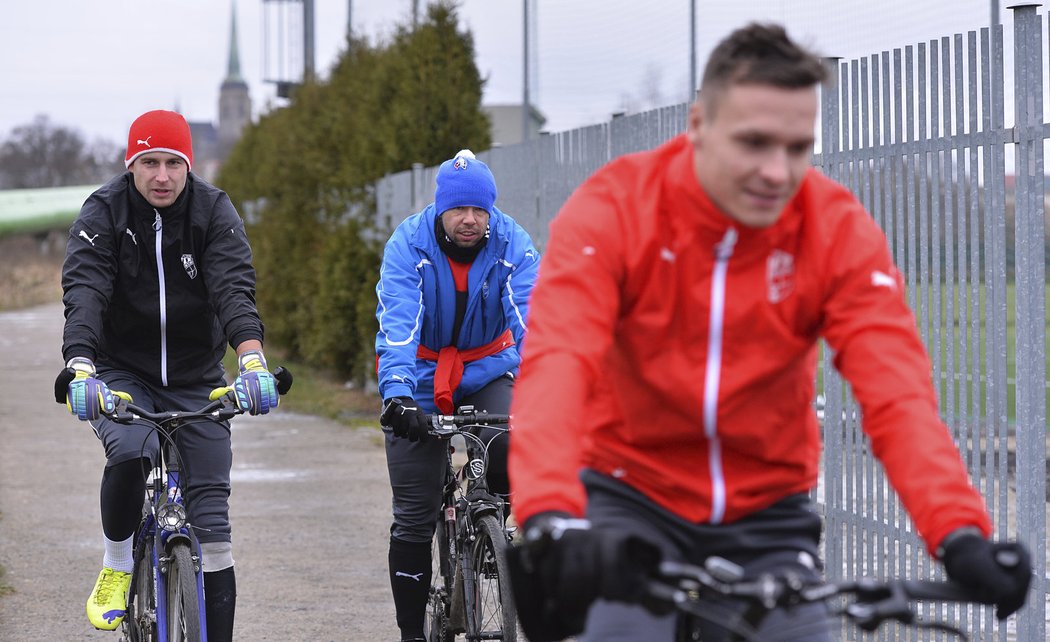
<point>310,512</point>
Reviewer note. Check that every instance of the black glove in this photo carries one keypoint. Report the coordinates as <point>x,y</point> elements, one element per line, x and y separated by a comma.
<point>998,572</point>
<point>563,566</point>
<point>403,415</point>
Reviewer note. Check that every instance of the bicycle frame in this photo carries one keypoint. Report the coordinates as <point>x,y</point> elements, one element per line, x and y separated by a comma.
<point>164,531</point>
<point>462,509</point>
<point>164,498</point>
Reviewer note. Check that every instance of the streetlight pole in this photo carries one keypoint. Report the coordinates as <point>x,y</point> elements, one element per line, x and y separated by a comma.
<point>525,73</point>
<point>692,52</point>
<point>308,40</point>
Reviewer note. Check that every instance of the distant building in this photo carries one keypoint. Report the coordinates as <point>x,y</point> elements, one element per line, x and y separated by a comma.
<point>211,143</point>
<point>507,123</point>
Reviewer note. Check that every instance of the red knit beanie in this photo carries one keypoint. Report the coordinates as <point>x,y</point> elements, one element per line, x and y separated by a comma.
<point>160,131</point>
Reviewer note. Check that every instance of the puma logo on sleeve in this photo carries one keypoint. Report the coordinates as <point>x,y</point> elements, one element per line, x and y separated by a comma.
<point>883,280</point>
<point>89,239</point>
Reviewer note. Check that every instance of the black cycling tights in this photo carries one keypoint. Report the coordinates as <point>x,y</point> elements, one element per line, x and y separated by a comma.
<point>123,487</point>
<point>220,587</point>
<point>410,582</point>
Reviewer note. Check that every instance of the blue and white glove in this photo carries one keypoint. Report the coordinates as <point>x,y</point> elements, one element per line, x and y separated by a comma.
<point>86,396</point>
<point>255,388</point>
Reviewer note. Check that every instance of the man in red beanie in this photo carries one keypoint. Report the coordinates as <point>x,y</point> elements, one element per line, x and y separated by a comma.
<point>157,279</point>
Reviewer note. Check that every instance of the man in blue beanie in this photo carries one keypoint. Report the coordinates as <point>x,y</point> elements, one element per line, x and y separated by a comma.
<point>453,297</point>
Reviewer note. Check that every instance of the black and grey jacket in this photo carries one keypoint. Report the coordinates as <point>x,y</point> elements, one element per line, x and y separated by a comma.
<point>158,292</point>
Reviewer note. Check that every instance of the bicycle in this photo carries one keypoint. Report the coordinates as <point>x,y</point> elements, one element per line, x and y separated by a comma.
<point>166,596</point>
<point>470,585</point>
<point>696,592</point>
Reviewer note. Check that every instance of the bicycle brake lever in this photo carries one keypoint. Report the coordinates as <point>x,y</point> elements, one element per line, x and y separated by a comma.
<point>284,379</point>
<point>893,605</point>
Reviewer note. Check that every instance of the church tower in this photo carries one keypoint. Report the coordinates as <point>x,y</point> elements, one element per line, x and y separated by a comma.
<point>235,104</point>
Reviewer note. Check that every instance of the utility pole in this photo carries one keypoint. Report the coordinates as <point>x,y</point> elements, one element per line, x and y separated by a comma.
<point>525,109</point>
<point>692,52</point>
<point>308,40</point>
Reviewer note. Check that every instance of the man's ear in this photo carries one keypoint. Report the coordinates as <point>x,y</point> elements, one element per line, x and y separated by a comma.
<point>695,120</point>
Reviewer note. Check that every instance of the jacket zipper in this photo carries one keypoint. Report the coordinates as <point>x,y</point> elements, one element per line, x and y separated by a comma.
<point>158,227</point>
<point>713,374</point>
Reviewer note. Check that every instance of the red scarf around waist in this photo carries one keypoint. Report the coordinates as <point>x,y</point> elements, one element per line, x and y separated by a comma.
<point>450,366</point>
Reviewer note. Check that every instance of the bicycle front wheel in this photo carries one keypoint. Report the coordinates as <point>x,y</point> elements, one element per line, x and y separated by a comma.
<point>140,625</point>
<point>436,626</point>
<point>493,608</point>
<point>183,617</point>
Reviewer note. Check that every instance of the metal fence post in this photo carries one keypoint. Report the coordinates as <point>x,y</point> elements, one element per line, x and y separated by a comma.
<point>1030,305</point>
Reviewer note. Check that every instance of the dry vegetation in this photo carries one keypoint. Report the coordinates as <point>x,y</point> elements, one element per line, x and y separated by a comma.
<point>30,270</point>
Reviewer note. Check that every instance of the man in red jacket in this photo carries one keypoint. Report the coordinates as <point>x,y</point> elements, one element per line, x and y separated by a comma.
<point>668,373</point>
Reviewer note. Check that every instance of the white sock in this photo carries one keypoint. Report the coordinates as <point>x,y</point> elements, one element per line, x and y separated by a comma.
<point>119,556</point>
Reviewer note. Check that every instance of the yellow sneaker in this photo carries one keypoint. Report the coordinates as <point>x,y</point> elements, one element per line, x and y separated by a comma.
<point>108,603</point>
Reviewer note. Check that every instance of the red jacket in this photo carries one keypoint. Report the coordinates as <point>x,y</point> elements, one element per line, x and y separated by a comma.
<point>676,350</point>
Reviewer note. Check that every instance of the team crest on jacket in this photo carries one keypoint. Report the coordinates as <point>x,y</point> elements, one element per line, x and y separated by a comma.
<point>189,265</point>
<point>780,275</point>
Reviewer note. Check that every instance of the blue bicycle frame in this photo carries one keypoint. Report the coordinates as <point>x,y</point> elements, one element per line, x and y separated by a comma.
<point>163,539</point>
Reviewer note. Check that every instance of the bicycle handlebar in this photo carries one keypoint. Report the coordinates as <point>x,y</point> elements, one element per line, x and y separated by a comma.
<point>218,408</point>
<point>870,602</point>
<point>444,426</point>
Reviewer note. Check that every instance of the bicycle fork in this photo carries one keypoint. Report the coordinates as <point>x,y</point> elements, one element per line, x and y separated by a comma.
<point>173,530</point>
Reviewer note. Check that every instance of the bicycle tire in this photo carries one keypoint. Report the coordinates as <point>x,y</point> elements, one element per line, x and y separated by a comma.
<point>493,612</point>
<point>140,624</point>
<point>183,616</point>
<point>436,623</point>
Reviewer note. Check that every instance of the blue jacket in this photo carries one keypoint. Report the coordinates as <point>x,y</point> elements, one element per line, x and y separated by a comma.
<point>417,304</point>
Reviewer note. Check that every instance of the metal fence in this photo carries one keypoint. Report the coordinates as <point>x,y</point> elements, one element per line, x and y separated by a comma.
<point>919,135</point>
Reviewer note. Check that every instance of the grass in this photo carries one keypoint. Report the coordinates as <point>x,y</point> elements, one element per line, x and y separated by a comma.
<point>950,337</point>
<point>5,588</point>
<point>318,393</point>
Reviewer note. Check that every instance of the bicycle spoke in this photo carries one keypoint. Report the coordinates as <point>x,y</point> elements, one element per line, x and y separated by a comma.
<point>183,605</point>
<point>493,609</point>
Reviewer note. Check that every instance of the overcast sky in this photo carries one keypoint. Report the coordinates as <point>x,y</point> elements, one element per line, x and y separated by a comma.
<point>96,65</point>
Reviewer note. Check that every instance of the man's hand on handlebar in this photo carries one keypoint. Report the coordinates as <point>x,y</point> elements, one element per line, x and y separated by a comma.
<point>999,572</point>
<point>255,388</point>
<point>403,416</point>
<point>563,566</point>
<point>86,396</point>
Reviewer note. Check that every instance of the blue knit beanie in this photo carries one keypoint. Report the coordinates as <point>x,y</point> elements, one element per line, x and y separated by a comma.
<point>464,181</point>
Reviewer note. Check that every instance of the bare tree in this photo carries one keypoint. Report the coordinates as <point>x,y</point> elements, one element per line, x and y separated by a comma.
<point>650,94</point>
<point>42,154</point>
<point>652,87</point>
